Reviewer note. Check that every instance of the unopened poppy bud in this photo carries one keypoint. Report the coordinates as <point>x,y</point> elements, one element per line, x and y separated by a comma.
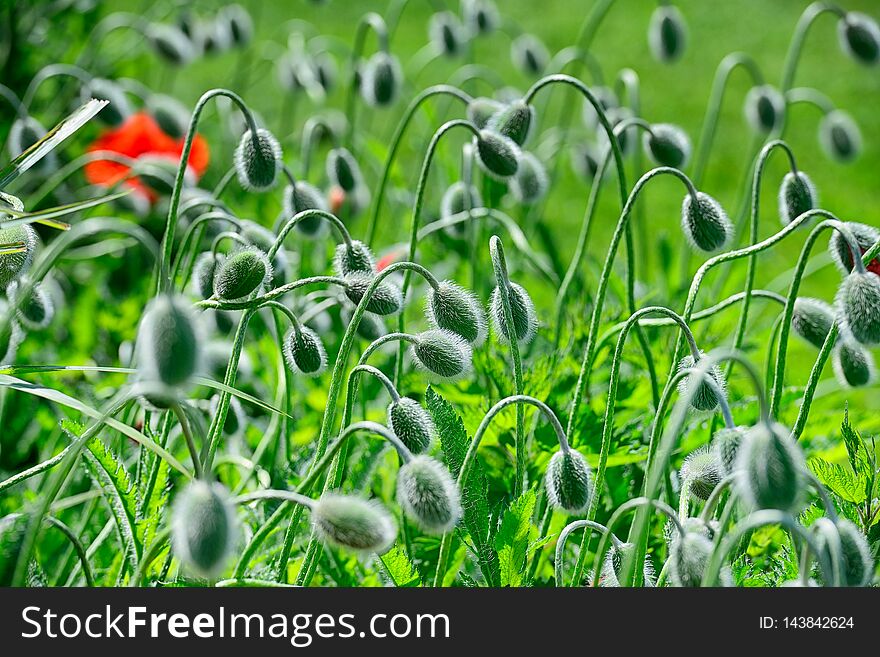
<point>569,481</point>
<point>530,183</point>
<point>841,254</point>
<point>428,494</point>
<point>612,566</point>
<point>304,352</point>
<point>497,155</point>
<point>771,469</point>
<point>354,258</point>
<point>170,114</point>
<point>442,353</point>
<point>343,169</point>
<point>13,265</point>
<point>480,16</point>
<point>241,25</point>
<point>797,195</point>
<point>36,312</point>
<point>354,523</point>
<point>688,556</point>
<point>412,424</point>
<point>701,473</point>
<point>705,398</point>
<point>447,34</point>
<point>858,301</point>
<point>481,109</point>
<point>215,36</point>
<point>455,309</point>
<point>118,108</point>
<point>667,145</point>
<point>853,364</point>
<point>725,444</point>
<point>515,121</point>
<point>705,223</point>
<point>764,108</point>
<point>241,274</point>
<point>385,300</point>
<point>381,80</point>
<point>459,197</point>
<point>169,43</point>
<point>169,342</point>
<point>522,310</point>
<point>858,562</point>
<point>370,328</point>
<point>204,529</point>
<point>667,34</point>
<point>529,54</point>
<point>299,198</point>
<point>860,37</point>
<point>257,163</point>
<point>812,319</point>
<point>840,137</point>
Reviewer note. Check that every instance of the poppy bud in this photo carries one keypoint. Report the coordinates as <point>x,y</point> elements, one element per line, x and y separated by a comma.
<point>36,312</point>
<point>480,16</point>
<point>725,444</point>
<point>626,138</point>
<point>839,136</point>
<point>771,469</point>
<point>381,81</point>
<point>13,265</point>
<point>497,155</point>
<point>529,54</point>
<point>447,34</point>
<point>858,300</point>
<point>169,342</point>
<point>584,161</point>
<point>797,195</point>
<point>607,100</point>
<point>257,164</point>
<point>667,34</point>
<point>522,310</point>
<point>118,108</point>
<point>304,351</point>
<point>385,300</point>
<point>705,398</point>
<point>204,529</point>
<point>812,319</point>
<point>428,495</point>
<point>529,184</point>
<point>858,564</point>
<point>667,145</point>
<point>354,523</point>
<point>299,198</point>
<point>215,36</point>
<point>356,258</point>
<point>701,472</point>
<point>325,70</point>
<point>455,309</point>
<point>514,121</point>
<point>853,364</point>
<point>841,254</point>
<point>705,224</point>
<point>480,110</point>
<point>170,115</point>
<point>860,37</point>
<point>241,274</point>
<point>569,481</point>
<point>241,26</point>
<point>764,108</point>
<point>613,565</point>
<point>169,43</point>
<point>443,353</point>
<point>459,197</point>
<point>412,424</point>
<point>343,169</point>
<point>688,556</point>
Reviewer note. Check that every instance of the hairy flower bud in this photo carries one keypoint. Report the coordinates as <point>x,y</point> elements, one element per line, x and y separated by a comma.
<point>725,445</point>
<point>688,556</point>
<point>241,25</point>
<point>705,398</point>
<point>356,258</point>
<point>299,198</point>
<point>515,121</point>
<point>667,145</point>
<point>497,155</point>
<point>858,563</point>
<point>529,54</point>
<point>257,163</point>
<point>481,109</point>
<point>797,195</point>
<point>853,364</point>
<point>13,265</point>
<point>522,310</point>
<point>612,566</point>
<point>860,37</point>
<point>455,309</point>
<point>443,353</point>
<point>37,311</point>
<point>118,108</point>
<point>169,342</point>
<point>412,424</point>
<point>170,43</point>
<point>354,523</point>
<point>428,494</point>
<point>858,302</point>
<point>459,197</point>
<point>241,273</point>
<point>866,236</point>
<point>812,319</point>
<point>569,481</point>
<point>667,34</point>
<point>170,114</point>
<point>385,300</point>
<point>381,80</point>
<point>304,351</point>
<point>701,472</point>
<point>530,183</point>
<point>480,16</point>
<point>771,469</point>
<point>204,528</point>
<point>840,137</point>
<point>705,224</point>
<point>764,108</point>
<point>447,34</point>
<point>343,169</point>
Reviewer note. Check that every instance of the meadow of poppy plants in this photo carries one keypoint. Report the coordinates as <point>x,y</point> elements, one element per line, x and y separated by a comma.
<point>470,294</point>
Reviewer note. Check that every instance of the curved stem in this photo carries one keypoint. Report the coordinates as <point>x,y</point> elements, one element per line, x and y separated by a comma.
<point>309,214</point>
<point>809,96</point>
<point>77,547</point>
<point>563,538</point>
<point>808,17</point>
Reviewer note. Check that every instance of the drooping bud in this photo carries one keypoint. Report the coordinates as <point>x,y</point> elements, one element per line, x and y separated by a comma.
<point>480,16</point>
<point>701,472</point>
<point>442,353</point>
<point>497,155</point>
<point>299,198</point>
<point>841,254</point>
<point>667,145</point>
<point>515,121</point>
<point>858,562</point>
<point>241,25</point>
<point>860,37</point>
<point>667,34</point>
<point>381,80</point>
<point>529,54</point>
<point>204,528</point>
<point>812,319</point>
<point>530,183</point>
<point>354,523</point>
<point>481,109</point>
<point>118,108</point>
<point>257,163</point>
<point>385,300</point>
<point>36,312</point>
<point>705,223</point>
<point>169,43</point>
<point>569,481</point>
<point>447,34</point>
<point>764,108</point>
<point>522,310</point>
<point>343,170</point>
<point>459,197</point>
<point>858,302</point>
<point>204,271</point>
<point>455,309</point>
<point>169,342</point>
<point>840,137</point>
<point>356,258</point>
<point>170,114</point>
<point>215,36</point>
<point>428,494</point>
<point>853,364</point>
<point>797,195</point>
<point>612,566</point>
<point>705,398</point>
<point>771,469</point>
<point>412,424</point>
<point>13,265</point>
<point>304,351</point>
<point>725,444</point>
<point>688,556</point>
<point>370,328</point>
<point>241,274</point>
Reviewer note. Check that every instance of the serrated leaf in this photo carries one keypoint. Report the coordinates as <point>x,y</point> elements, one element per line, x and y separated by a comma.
<point>455,442</point>
<point>149,518</point>
<point>400,569</point>
<point>513,539</point>
<point>842,482</point>
<point>855,448</point>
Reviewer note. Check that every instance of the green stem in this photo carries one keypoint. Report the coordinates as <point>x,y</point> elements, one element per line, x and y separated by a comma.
<point>77,546</point>
<point>563,538</point>
<point>375,22</point>
<point>792,57</point>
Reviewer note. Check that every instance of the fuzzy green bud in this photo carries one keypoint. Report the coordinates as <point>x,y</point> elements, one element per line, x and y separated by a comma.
<point>304,351</point>
<point>569,481</point>
<point>455,309</point>
<point>705,223</point>
<point>412,424</point>
<point>442,353</point>
<point>204,529</point>
<point>241,274</point>
<point>705,398</point>
<point>522,310</point>
<point>812,319</point>
<point>354,523</point>
<point>771,469</point>
<point>428,494</point>
<point>385,300</point>
<point>258,162</point>
<point>858,302</point>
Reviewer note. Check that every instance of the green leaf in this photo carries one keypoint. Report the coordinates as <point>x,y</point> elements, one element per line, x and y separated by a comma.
<point>514,538</point>
<point>48,217</point>
<point>845,484</point>
<point>455,442</point>
<point>399,568</point>
<point>855,447</point>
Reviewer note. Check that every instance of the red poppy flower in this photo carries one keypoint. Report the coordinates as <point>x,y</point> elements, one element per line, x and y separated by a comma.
<point>140,136</point>
<point>391,257</point>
